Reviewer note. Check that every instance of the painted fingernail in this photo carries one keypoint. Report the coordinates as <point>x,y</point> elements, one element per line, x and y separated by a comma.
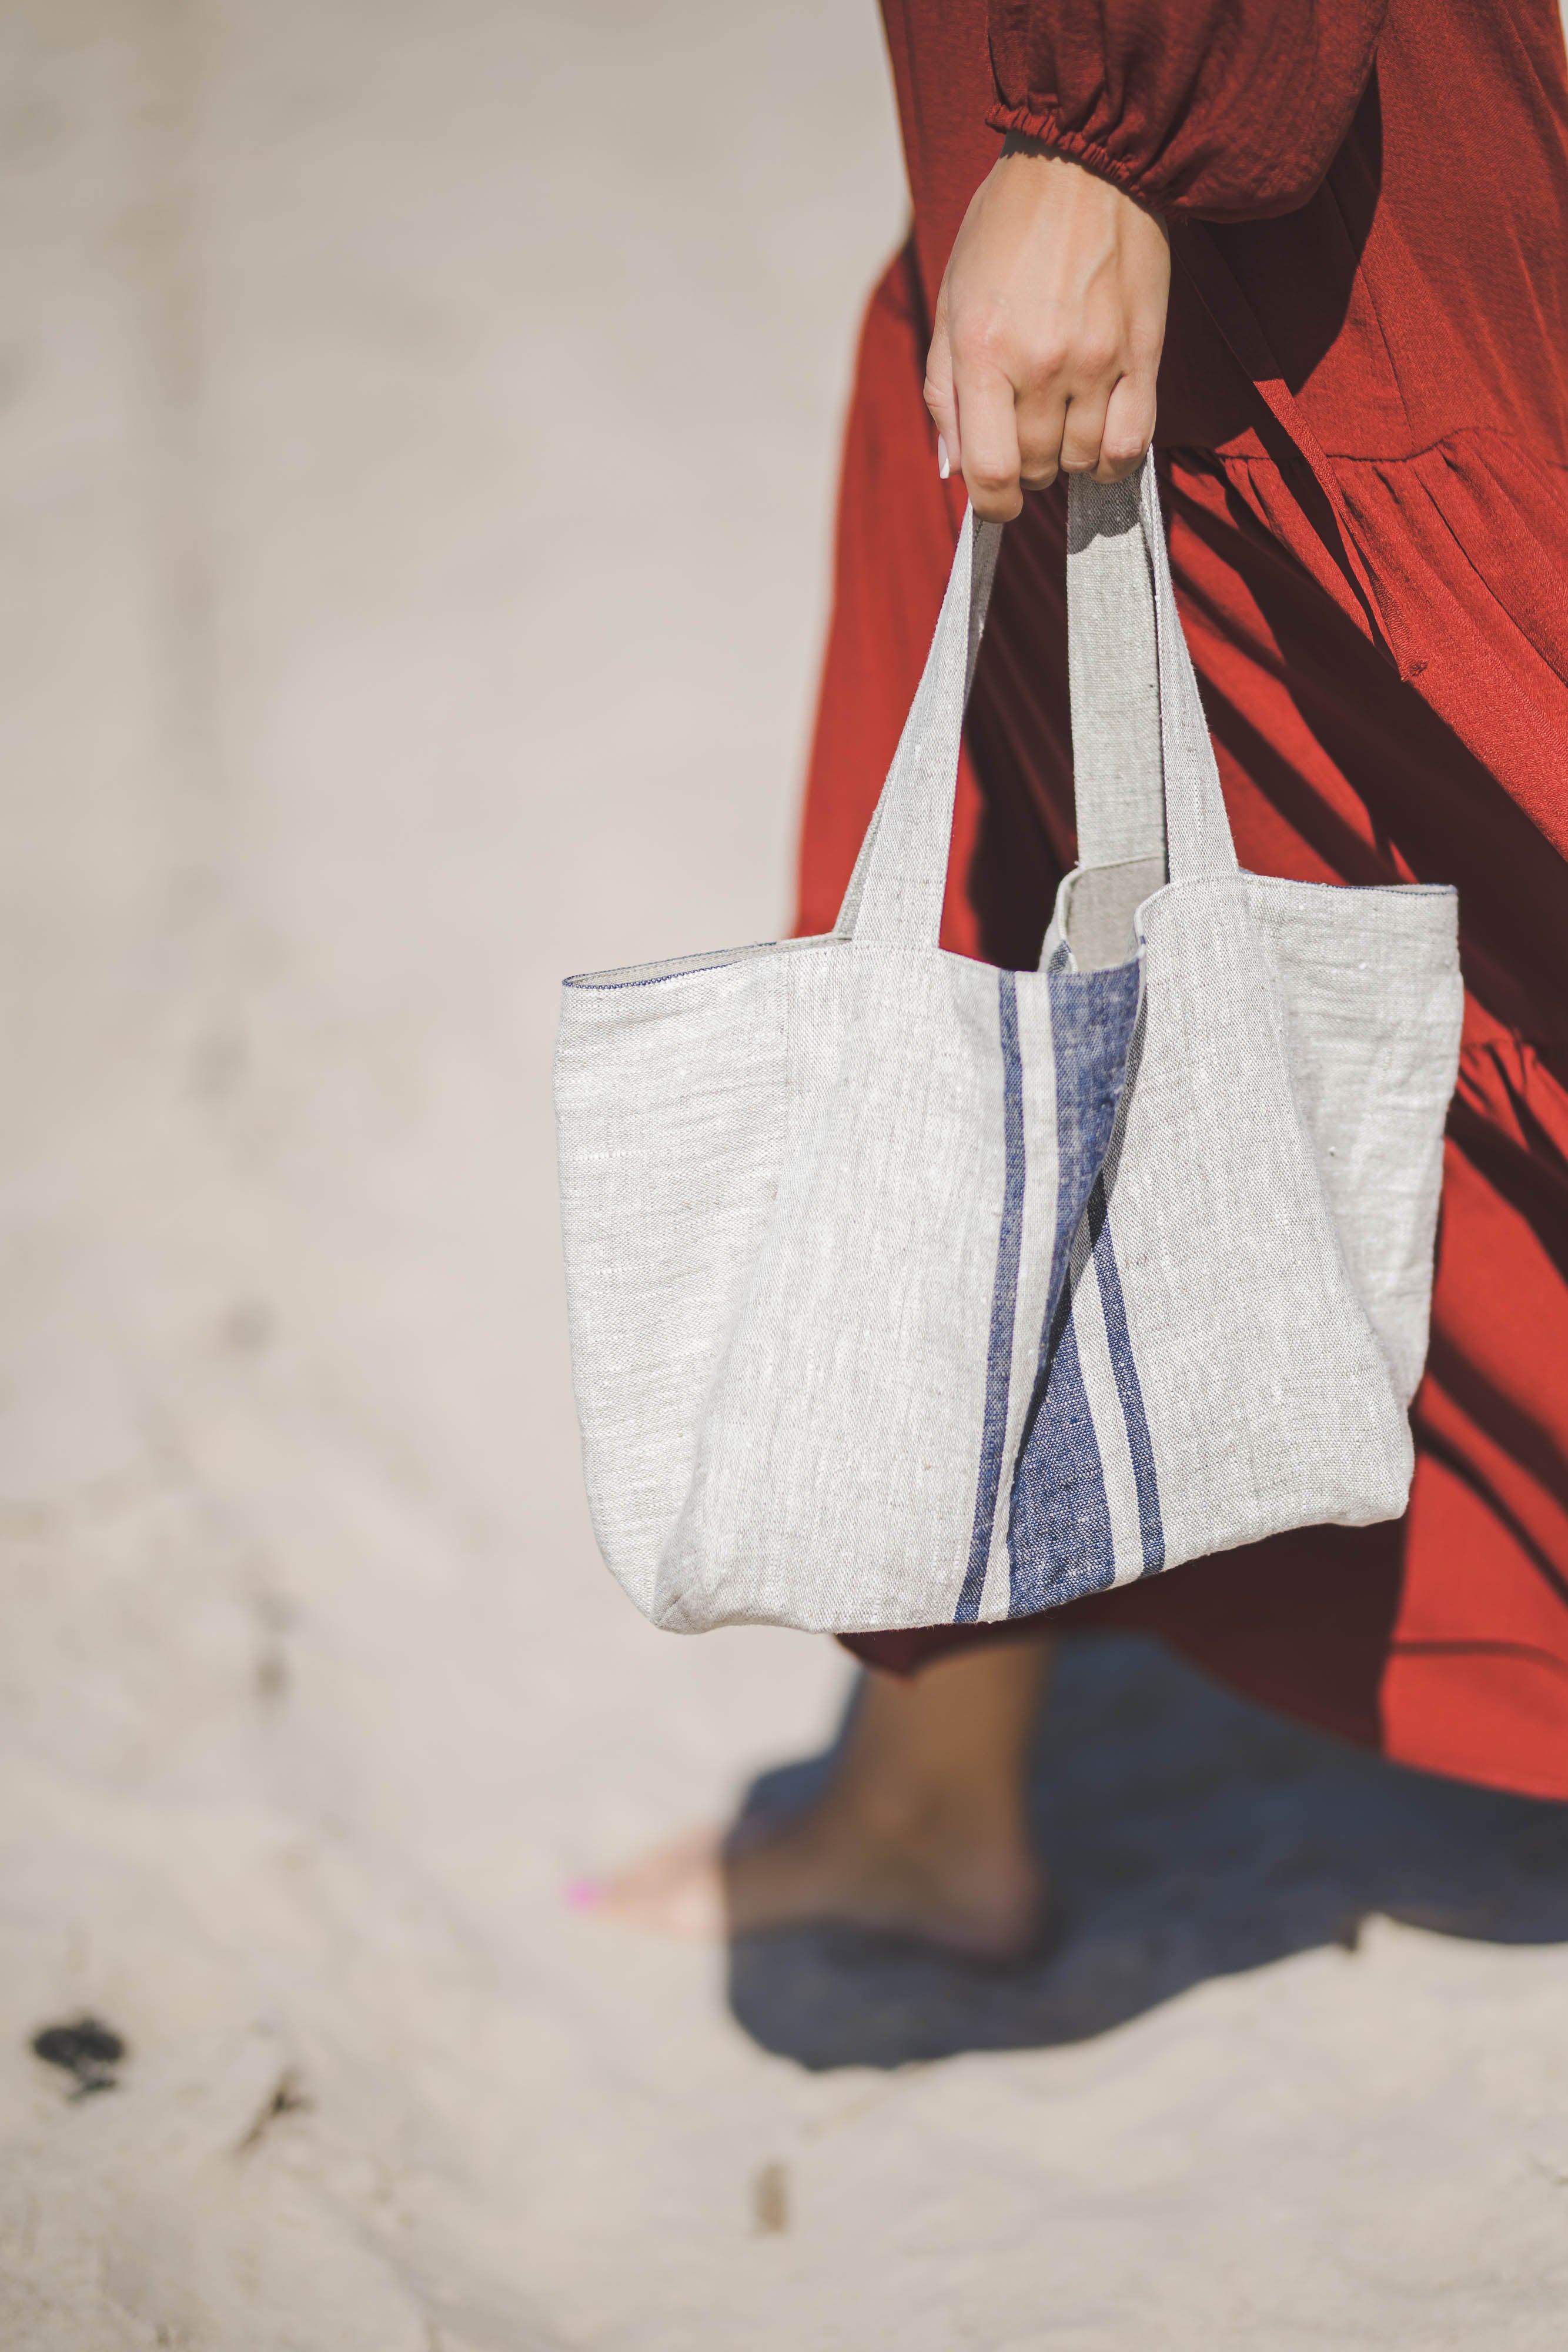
<point>584,1895</point>
<point>942,468</point>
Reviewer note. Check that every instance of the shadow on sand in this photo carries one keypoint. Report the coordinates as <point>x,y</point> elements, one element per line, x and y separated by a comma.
<point>1189,1835</point>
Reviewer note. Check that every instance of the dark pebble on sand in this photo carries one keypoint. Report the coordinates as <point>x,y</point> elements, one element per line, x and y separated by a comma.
<point>87,2050</point>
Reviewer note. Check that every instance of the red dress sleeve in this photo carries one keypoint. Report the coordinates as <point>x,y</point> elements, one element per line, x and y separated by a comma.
<point>1217,109</point>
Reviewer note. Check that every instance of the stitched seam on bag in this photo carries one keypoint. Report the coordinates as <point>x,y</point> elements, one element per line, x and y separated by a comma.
<point>690,967</point>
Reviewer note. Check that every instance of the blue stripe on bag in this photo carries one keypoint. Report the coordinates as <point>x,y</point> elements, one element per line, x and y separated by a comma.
<point>1113,1306</point>
<point>1058,1526</point>
<point>1004,1296</point>
<point>1059,1534</point>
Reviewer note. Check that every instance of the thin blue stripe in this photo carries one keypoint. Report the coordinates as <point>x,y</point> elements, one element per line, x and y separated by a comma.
<point>1151,1528</point>
<point>1058,1527</point>
<point>1004,1299</point>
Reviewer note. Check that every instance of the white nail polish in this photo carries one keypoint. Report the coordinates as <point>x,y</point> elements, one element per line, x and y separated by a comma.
<point>942,468</point>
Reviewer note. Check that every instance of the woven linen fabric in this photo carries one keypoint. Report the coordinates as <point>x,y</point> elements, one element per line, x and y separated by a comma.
<point>903,1289</point>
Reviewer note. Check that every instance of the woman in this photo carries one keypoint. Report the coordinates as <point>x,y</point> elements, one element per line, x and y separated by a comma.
<point>1316,252</point>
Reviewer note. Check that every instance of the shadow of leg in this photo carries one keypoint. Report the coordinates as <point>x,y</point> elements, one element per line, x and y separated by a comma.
<point>1189,1835</point>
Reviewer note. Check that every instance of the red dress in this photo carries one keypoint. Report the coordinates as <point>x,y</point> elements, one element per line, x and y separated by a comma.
<point>1363,440</point>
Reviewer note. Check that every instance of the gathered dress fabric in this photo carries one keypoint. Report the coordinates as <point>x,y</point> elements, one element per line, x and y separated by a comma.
<point>1363,446</point>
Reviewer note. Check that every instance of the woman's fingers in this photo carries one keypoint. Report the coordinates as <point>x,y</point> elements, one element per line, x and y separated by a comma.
<point>1054,430</point>
<point>1128,428</point>
<point>1009,440</point>
<point>1083,428</point>
<point>988,444</point>
<point>1041,412</point>
<point>939,397</point>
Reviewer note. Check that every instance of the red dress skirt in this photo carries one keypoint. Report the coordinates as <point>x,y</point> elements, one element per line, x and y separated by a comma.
<point>1363,451</point>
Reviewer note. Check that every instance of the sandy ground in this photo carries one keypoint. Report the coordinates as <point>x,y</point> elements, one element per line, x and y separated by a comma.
<point>416,441</point>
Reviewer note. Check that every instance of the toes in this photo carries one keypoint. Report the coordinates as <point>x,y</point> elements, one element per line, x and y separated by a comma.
<point>677,1892</point>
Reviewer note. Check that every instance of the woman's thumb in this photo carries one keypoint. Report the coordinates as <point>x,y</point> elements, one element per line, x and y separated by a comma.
<point>939,397</point>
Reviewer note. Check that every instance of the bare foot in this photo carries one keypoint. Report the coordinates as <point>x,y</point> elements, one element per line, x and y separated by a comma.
<point>985,1901</point>
<point>677,1891</point>
<point>965,1886</point>
<point>921,1832</point>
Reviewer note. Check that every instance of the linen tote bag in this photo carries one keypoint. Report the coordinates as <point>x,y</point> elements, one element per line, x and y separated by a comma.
<point>903,1290</point>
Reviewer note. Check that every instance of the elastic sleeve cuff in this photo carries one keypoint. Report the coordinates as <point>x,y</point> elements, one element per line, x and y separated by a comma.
<point>1074,145</point>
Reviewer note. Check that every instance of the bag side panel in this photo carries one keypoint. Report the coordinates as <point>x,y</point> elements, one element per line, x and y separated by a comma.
<point>1374,1003</point>
<point>1267,1400</point>
<point>840,1457</point>
<point>671,1115</point>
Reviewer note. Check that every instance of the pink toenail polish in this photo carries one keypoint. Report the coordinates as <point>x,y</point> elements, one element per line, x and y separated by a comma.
<point>583,1893</point>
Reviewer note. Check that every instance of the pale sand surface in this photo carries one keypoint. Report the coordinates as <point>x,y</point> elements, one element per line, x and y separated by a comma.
<point>416,450</point>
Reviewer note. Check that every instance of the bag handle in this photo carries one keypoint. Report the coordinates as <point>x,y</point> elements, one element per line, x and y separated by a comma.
<point>1145,779</point>
<point>900,877</point>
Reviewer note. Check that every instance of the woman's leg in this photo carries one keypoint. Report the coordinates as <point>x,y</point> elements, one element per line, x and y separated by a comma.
<point>922,1830</point>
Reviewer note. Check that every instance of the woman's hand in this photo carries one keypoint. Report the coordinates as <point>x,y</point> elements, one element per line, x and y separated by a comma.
<point>1048,333</point>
